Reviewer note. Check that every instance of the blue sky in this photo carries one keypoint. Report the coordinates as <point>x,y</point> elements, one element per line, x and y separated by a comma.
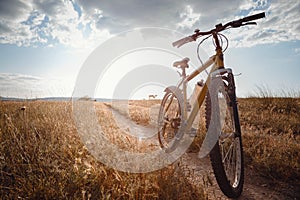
<point>43,43</point>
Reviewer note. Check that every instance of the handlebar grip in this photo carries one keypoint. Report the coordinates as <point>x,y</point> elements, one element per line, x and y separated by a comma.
<point>254,17</point>
<point>182,41</point>
<point>178,43</point>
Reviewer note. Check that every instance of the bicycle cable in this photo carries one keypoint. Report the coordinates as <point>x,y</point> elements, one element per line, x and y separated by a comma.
<point>227,43</point>
<point>198,53</point>
<point>221,36</point>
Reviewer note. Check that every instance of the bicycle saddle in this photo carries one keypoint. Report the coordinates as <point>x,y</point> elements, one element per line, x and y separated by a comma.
<point>182,63</point>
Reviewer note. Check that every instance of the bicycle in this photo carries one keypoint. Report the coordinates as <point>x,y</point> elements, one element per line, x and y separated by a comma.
<point>176,115</point>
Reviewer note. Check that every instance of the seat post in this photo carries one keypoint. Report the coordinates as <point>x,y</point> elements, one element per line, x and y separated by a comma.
<point>183,72</point>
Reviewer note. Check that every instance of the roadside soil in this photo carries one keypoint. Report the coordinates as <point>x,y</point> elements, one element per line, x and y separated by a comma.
<point>255,186</point>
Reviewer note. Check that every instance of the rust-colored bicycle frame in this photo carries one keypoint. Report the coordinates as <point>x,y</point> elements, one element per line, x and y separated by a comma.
<point>217,61</point>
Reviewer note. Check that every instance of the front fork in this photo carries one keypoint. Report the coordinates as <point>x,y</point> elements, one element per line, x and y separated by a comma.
<point>230,89</point>
<point>232,96</point>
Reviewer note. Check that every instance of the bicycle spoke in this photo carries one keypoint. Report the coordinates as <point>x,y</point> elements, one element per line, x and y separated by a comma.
<point>170,119</point>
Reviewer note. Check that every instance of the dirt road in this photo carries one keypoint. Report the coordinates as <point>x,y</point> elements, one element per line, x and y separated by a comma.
<point>255,187</point>
<point>200,173</point>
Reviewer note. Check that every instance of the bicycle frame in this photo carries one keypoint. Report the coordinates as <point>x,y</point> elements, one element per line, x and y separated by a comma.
<point>217,63</point>
<point>223,140</point>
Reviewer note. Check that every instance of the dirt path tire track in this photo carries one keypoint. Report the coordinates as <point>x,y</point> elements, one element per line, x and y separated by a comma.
<point>255,187</point>
<point>200,173</point>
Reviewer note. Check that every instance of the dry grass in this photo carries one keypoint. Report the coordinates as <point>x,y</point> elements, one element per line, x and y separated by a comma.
<point>272,136</point>
<point>42,157</point>
<point>143,112</point>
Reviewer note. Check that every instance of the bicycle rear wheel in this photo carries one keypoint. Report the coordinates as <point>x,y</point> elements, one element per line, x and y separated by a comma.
<point>227,154</point>
<point>169,120</point>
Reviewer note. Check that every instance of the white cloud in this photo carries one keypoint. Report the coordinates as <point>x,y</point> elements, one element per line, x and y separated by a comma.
<point>117,15</point>
<point>80,23</point>
<point>189,18</point>
<point>27,86</point>
<point>44,22</point>
<point>281,24</point>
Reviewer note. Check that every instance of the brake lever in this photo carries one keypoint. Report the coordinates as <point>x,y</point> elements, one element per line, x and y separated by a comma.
<point>249,23</point>
<point>239,23</point>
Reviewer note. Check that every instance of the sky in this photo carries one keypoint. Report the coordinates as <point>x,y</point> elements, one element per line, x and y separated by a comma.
<point>44,43</point>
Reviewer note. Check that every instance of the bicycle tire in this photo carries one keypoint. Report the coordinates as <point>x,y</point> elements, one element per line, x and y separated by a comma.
<point>231,186</point>
<point>170,122</point>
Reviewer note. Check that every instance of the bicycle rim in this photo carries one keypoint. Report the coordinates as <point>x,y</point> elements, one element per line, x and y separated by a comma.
<point>226,156</point>
<point>169,120</point>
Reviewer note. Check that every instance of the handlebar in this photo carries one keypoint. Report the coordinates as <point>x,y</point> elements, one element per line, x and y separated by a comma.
<point>254,17</point>
<point>219,27</point>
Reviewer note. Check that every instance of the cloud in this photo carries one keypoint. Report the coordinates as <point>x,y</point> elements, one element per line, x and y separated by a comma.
<point>27,86</point>
<point>133,13</point>
<point>39,22</point>
<point>13,9</point>
<point>17,85</point>
<point>281,24</point>
<point>80,23</point>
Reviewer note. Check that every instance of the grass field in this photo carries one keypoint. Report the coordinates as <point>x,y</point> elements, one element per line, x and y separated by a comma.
<point>271,132</point>
<point>271,128</point>
<point>41,155</point>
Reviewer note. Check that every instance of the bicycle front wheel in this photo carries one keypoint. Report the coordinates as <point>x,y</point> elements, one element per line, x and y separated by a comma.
<point>227,154</point>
